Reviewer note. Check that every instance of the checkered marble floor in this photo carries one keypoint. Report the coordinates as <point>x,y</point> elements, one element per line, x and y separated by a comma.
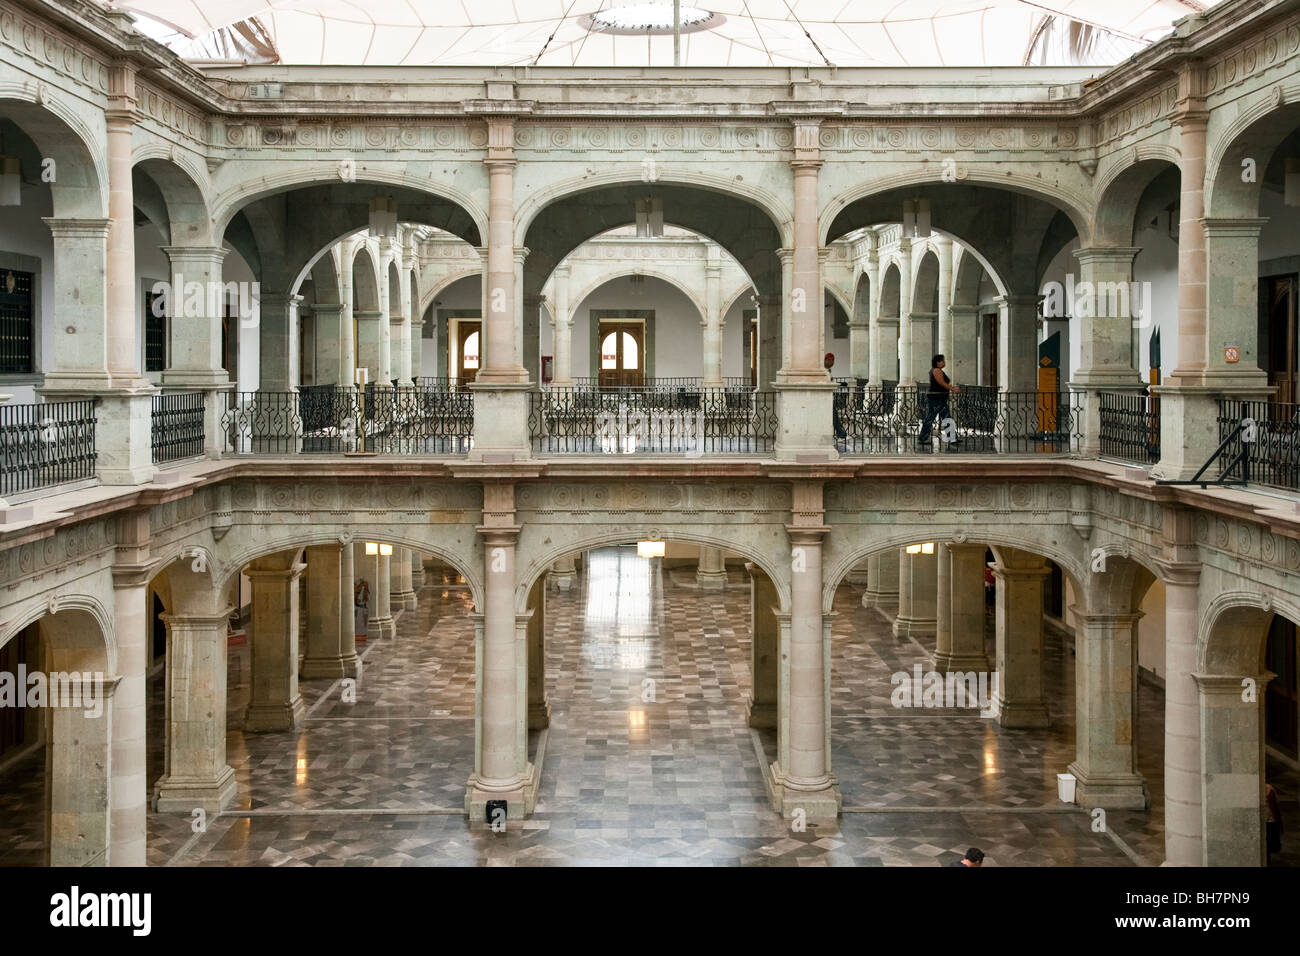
<point>648,760</point>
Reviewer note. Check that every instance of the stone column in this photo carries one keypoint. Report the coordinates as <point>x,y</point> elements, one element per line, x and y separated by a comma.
<point>274,702</point>
<point>917,588</point>
<point>347,335</point>
<point>532,331</point>
<point>711,573</point>
<point>1020,577</point>
<point>278,333</point>
<point>770,344</point>
<point>406,342</point>
<point>381,622</point>
<point>123,344</point>
<point>711,321</point>
<point>402,595</point>
<point>539,709</point>
<point>417,573</point>
<point>196,774</point>
<point>943,246</point>
<point>888,335</point>
<point>908,372</point>
<point>325,656</point>
<point>129,783</point>
<point>922,324</point>
<point>195,308</point>
<point>874,332</point>
<point>1018,342</point>
<point>562,326</point>
<point>882,580</point>
<point>383,378</point>
<point>348,611</point>
<point>942,603</point>
<point>1183,824</point>
<point>501,767</point>
<point>805,781</point>
<point>1105,694</point>
<point>962,647</point>
<point>765,632</point>
<point>963,362</point>
<point>77,776</point>
<point>329,344</point>
<point>1106,322</point>
<point>500,363</point>
<point>78,360</point>
<point>368,322</point>
<point>805,391</point>
<point>1232,769</point>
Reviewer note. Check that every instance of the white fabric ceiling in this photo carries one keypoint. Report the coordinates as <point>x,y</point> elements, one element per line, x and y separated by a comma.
<point>754,32</point>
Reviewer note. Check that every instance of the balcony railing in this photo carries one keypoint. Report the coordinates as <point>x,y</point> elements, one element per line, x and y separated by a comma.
<point>46,444</point>
<point>1273,458</point>
<point>330,419</point>
<point>177,426</point>
<point>1130,426</point>
<point>888,421</point>
<point>652,421</point>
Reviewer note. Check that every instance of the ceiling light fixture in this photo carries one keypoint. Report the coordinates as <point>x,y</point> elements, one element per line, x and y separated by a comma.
<point>652,18</point>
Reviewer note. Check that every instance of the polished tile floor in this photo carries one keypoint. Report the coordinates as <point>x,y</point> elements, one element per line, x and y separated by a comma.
<point>648,759</point>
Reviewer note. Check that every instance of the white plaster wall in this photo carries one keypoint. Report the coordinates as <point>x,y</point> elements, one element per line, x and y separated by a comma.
<point>1151,629</point>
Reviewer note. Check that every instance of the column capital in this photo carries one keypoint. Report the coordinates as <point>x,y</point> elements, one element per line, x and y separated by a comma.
<point>499,535</point>
<point>78,228</point>
<point>1243,228</point>
<point>1119,255</point>
<point>131,575</point>
<point>184,253</point>
<point>521,253</point>
<point>1178,573</point>
<point>806,534</point>
<point>271,574</point>
<point>1018,301</point>
<point>1229,685</point>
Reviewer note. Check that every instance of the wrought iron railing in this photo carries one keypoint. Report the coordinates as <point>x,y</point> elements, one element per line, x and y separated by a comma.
<point>1273,456</point>
<point>1129,426</point>
<point>889,421</point>
<point>330,419</point>
<point>46,444</point>
<point>651,421</point>
<point>177,426</point>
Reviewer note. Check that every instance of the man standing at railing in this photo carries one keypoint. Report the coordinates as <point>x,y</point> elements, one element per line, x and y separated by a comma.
<point>936,399</point>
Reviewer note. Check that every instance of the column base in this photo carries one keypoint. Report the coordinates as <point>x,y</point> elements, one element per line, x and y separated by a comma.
<point>539,715</point>
<point>965,663</point>
<point>914,627</point>
<point>382,627</point>
<point>264,718</point>
<point>417,578</point>
<point>180,795</point>
<point>711,580</point>
<point>872,598</point>
<point>820,803</point>
<point>1021,714</point>
<point>520,797</point>
<point>403,600</point>
<point>314,668</point>
<point>1112,791</point>
<point>351,666</point>
<point>760,715</point>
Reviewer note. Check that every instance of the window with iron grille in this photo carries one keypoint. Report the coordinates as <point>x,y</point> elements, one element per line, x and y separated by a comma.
<point>155,332</point>
<point>15,321</point>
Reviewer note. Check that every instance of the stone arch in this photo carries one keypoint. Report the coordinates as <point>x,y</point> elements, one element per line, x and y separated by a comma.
<point>841,298</point>
<point>549,552</point>
<point>891,303</point>
<point>1035,187</point>
<point>925,282</point>
<point>731,300</point>
<point>98,643</point>
<point>1234,628</point>
<point>1255,133</point>
<point>394,283</point>
<point>771,204</point>
<point>621,271</point>
<point>838,563</point>
<point>183,193</point>
<point>237,554</point>
<point>365,278</point>
<point>329,249</point>
<point>1114,220</point>
<point>436,288</point>
<point>80,188</point>
<point>469,218</point>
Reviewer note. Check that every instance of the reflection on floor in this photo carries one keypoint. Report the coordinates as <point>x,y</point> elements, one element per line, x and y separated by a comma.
<point>648,759</point>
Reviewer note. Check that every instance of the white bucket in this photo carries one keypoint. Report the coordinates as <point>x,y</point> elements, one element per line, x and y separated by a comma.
<point>1065,787</point>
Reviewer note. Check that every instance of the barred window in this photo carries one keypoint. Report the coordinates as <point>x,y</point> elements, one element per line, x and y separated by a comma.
<point>155,332</point>
<point>15,321</point>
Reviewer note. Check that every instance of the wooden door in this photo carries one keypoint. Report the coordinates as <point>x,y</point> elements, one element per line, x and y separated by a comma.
<point>1281,361</point>
<point>1280,698</point>
<point>469,351</point>
<point>622,354</point>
